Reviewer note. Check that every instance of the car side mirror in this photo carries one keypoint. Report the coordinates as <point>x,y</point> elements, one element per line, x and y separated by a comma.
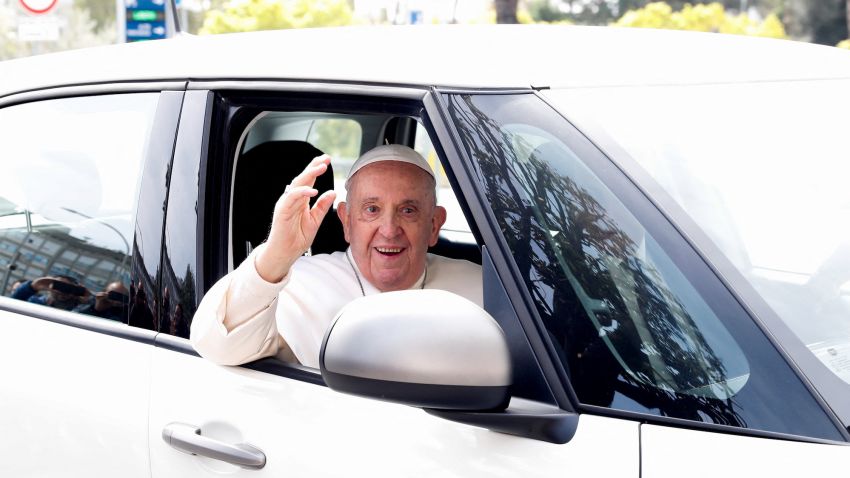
<point>426,348</point>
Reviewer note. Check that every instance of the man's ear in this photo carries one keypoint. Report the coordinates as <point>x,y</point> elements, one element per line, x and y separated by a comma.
<point>342,213</point>
<point>436,223</point>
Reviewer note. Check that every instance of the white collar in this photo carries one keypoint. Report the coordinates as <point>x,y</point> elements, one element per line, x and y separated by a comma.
<point>366,286</point>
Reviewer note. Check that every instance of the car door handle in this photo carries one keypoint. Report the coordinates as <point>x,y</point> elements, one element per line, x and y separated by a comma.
<point>188,439</point>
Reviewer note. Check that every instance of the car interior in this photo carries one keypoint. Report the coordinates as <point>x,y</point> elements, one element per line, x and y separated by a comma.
<point>277,145</point>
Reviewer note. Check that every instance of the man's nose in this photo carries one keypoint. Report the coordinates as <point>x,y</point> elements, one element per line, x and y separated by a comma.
<point>389,226</point>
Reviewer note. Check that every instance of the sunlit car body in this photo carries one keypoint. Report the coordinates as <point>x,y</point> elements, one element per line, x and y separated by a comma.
<point>640,202</point>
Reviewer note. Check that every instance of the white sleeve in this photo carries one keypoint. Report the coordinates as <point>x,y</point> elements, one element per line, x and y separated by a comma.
<point>242,298</point>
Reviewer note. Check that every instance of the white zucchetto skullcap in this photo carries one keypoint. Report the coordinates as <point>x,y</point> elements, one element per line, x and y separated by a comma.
<point>390,152</point>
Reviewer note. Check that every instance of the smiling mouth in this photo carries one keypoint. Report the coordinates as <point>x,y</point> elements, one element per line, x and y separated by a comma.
<point>389,251</point>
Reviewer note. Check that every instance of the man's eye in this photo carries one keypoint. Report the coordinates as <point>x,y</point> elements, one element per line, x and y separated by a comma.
<point>408,210</point>
<point>371,209</point>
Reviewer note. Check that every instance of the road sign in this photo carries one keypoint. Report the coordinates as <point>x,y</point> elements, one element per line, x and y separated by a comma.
<point>38,6</point>
<point>38,29</point>
<point>145,20</point>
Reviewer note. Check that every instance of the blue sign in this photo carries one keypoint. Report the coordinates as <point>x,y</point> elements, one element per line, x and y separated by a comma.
<point>145,20</point>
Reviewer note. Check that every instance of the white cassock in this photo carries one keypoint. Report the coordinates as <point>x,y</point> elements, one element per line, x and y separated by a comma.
<point>288,319</point>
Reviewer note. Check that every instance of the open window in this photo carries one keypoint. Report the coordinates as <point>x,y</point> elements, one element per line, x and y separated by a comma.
<point>260,141</point>
<point>275,142</point>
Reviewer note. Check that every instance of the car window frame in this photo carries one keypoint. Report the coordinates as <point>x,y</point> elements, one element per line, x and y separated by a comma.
<point>217,157</point>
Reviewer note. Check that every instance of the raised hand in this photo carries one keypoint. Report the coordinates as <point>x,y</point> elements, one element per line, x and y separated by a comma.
<point>294,223</point>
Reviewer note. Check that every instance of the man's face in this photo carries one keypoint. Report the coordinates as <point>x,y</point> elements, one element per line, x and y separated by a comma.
<point>102,300</point>
<point>390,219</point>
<point>61,300</point>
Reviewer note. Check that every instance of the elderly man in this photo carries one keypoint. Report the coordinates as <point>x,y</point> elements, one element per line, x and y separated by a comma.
<point>279,302</point>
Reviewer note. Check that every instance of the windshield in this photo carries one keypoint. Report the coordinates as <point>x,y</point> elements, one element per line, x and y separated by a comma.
<point>763,168</point>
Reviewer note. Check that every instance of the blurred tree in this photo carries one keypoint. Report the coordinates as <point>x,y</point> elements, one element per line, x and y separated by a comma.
<point>546,11</point>
<point>603,12</point>
<point>705,18</point>
<point>542,12</point>
<point>506,11</point>
<point>827,21</point>
<point>101,12</point>
<point>338,137</point>
<point>252,15</point>
<point>76,30</point>
<point>8,45</point>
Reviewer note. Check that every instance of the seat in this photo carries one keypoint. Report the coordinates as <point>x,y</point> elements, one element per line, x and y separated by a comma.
<point>262,174</point>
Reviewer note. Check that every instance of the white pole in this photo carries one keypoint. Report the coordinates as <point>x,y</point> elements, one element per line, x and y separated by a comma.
<point>120,21</point>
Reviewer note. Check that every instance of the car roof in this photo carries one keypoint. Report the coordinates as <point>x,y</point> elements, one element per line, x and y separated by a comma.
<point>460,56</point>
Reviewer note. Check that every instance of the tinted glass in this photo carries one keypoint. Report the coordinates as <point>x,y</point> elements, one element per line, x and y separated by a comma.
<point>68,195</point>
<point>632,330</point>
<point>769,188</point>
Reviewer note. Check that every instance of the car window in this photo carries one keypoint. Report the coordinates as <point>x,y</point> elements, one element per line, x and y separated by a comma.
<point>734,174</point>
<point>277,144</point>
<point>333,134</point>
<point>68,192</point>
<point>630,327</point>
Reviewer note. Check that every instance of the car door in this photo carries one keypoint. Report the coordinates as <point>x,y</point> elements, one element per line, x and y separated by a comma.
<point>669,452</point>
<point>76,376</point>
<point>274,418</point>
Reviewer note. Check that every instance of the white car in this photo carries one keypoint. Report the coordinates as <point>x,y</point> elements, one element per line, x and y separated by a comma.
<point>663,221</point>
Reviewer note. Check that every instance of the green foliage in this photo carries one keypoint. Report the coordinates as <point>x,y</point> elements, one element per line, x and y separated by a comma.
<point>253,15</point>
<point>8,47</point>
<point>338,137</point>
<point>101,12</point>
<point>545,11</point>
<point>704,18</point>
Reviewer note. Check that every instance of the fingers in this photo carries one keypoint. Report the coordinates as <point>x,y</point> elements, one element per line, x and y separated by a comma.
<point>295,198</point>
<point>316,168</point>
<point>322,206</point>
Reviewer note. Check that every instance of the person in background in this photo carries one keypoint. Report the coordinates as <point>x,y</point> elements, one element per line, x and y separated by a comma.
<point>59,291</point>
<point>113,303</point>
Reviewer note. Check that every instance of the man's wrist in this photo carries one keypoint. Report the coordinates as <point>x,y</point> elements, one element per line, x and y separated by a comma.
<point>271,266</point>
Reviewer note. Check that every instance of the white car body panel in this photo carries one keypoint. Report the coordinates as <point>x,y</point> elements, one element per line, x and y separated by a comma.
<point>309,430</point>
<point>668,452</point>
<point>562,56</point>
<point>75,402</point>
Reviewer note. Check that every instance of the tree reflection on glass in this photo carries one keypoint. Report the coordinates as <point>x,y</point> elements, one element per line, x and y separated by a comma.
<point>609,312</point>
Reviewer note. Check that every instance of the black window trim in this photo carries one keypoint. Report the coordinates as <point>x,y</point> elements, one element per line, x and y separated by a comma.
<point>471,194</point>
<point>314,88</point>
<point>91,89</point>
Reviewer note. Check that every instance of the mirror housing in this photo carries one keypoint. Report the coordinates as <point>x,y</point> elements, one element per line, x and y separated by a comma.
<point>426,348</point>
